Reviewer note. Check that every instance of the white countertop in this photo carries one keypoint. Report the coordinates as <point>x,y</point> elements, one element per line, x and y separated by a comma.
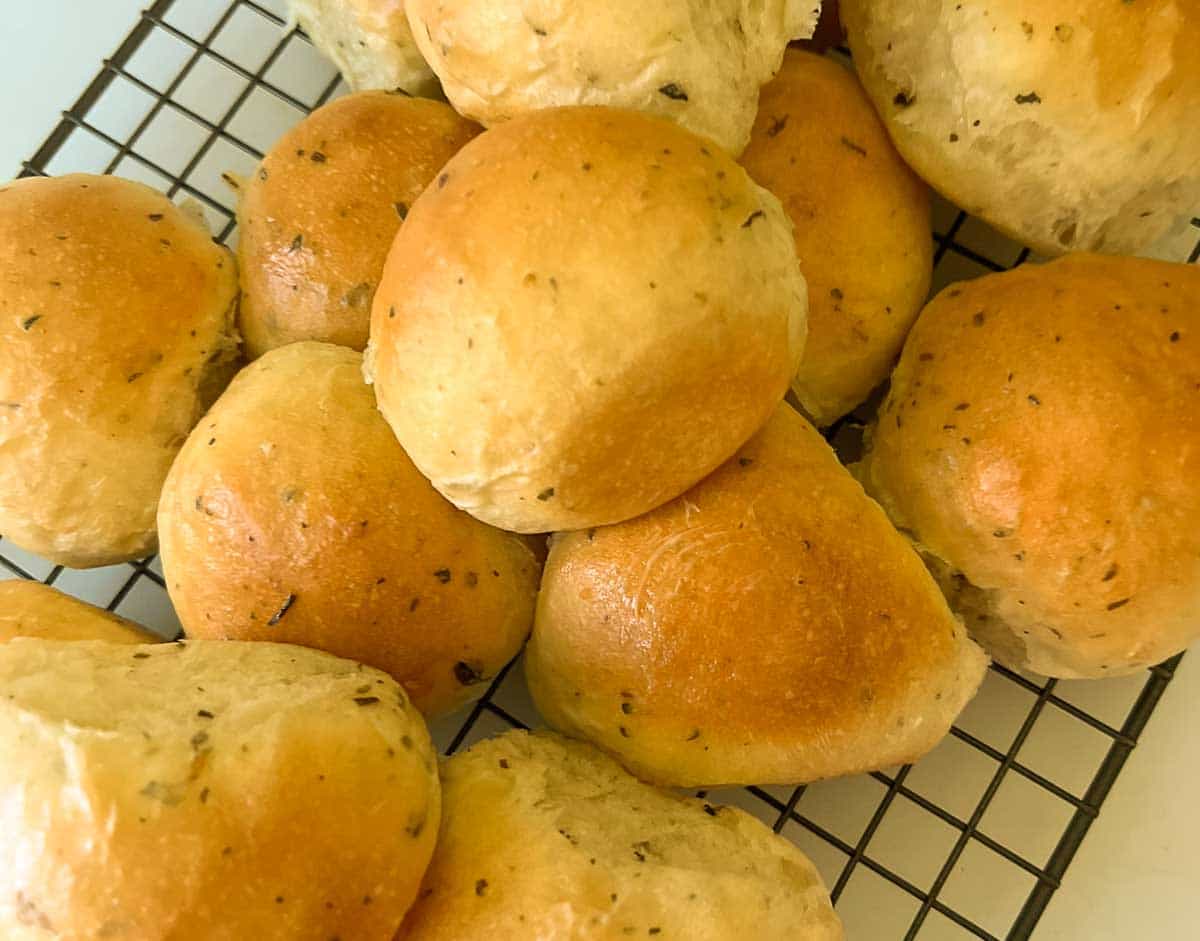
<point>1137,875</point>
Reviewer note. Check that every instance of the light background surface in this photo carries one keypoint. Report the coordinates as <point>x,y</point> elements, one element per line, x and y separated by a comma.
<point>1138,873</point>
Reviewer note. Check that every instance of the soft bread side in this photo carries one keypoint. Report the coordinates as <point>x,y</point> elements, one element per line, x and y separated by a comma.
<point>370,43</point>
<point>207,790</point>
<point>699,64</point>
<point>547,838</point>
<point>1067,124</point>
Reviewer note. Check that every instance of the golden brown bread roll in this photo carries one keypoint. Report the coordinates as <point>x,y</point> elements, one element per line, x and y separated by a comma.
<point>31,609</point>
<point>1041,443</point>
<point>318,216</point>
<point>293,515</point>
<point>588,312</point>
<point>546,838</point>
<point>861,222</point>
<point>207,790</point>
<point>369,41</point>
<point>1068,124</point>
<point>116,332</point>
<point>697,63</point>
<point>768,626</point>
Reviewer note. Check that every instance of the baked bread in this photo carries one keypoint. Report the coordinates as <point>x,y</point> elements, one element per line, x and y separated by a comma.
<point>862,227</point>
<point>1041,444</point>
<point>1067,124</point>
<point>207,790</point>
<point>319,215</point>
<point>589,311</point>
<point>698,63</point>
<point>369,41</point>
<point>116,332</point>
<point>769,626</point>
<point>546,838</point>
<point>31,609</point>
<point>293,515</point>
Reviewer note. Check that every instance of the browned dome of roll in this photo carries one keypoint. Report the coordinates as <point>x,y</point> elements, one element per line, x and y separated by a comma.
<point>862,227</point>
<point>116,333</point>
<point>1041,443</point>
<point>318,215</point>
<point>586,313</point>
<point>770,625</point>
<point>292,515</point>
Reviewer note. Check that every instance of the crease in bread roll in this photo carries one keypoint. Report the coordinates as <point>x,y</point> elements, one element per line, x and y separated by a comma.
<point>292,514</point>
<point>1067,124</point>
<point>697,62</point>
<point>116,333</point>
<point>1041,443</point>
<point>369,41</point>
<point>318,217</point>
<point>769,626</point>
<point>547,838</point>
<point>31,609</point>
<point>588,311</point>
<point>208,790</point>
<point>862,227</point>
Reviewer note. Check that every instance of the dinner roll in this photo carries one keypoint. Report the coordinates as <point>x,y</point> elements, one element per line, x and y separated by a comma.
<point>116,332</point>
<point>862,227</point>
<point>546,838</point>
<point>1041,443</point>
<point>696,62</point>
<point>207,790</point>
<point>293,515</point>
<point>589,311</point>
<point>31,609</point>
<point>769,626</point>
<point>1067,124</point>
<point>319,215</point>
<point>369,41</point>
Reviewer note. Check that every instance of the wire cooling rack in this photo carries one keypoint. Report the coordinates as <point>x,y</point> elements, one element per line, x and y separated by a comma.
<point>971,842</point>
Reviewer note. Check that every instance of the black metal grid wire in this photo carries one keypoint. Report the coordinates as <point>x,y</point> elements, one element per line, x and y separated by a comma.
<point>785,810</point>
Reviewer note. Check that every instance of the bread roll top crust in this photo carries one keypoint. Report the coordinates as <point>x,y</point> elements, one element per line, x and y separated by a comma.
<point>1042,439</point>
<point>116,332</point>
<point>769,625</point>
<point>585,313</point>
<point>293,515</point>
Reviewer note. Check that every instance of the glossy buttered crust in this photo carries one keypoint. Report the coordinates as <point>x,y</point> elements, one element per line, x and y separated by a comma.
<point>1068,124</point>
<point>31,609</point>
<point>1041,443</point>
<point>209,790</point>
<point>862,227</point>
<point>547,838</point>
<point>697,62</point>
<point>318,215</point>
<point>116,332</point>
<point>369,41</point>
<point>587,312</point>
<point>768,626</point>
<point>292,515</point>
